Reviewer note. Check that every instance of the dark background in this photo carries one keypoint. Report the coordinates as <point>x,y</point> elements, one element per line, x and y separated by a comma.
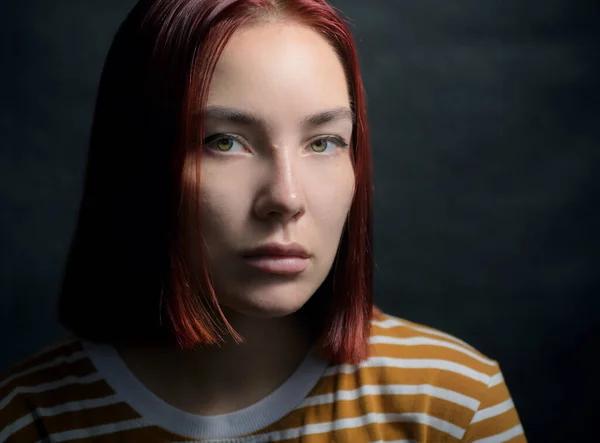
<point>485,124</point>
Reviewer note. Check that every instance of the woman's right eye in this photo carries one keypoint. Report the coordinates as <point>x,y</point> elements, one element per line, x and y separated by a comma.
<point>223,143</point>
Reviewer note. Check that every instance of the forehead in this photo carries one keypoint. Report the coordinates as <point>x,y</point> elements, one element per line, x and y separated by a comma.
<point>284,68</point>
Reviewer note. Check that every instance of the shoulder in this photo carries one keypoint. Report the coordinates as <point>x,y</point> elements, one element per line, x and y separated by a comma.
<point>397,340</point>
<point>408,358</point>
<point>451,385</point>
<point>443,366</point>
<point>43,367</point>
<point>38,386</point>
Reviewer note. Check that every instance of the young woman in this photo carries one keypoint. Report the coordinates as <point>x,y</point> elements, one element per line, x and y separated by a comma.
<point>219,284</point>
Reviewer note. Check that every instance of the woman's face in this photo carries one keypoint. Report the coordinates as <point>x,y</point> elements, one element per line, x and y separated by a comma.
<point>276,168</point>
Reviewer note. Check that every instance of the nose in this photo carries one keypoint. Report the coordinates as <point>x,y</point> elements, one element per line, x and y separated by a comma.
<point>281,197</point>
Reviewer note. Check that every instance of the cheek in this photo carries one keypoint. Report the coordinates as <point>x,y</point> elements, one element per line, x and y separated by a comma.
<point>219,210</point>
<point>215,201</point>
<point>331,196</point>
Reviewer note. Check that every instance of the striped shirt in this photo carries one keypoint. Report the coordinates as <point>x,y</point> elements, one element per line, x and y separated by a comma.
<point>418,385</point>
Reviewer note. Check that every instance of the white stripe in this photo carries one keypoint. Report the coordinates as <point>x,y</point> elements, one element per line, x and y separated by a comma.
<point>505,436</point>
<point>493,411</point>
<point>55,410</point>
<point>395,441</point>
<point>79,405</point>
<point>261,438</point>
<point>393,322</point>
<point>357,422</point>
<point>63,359</point>
<point>433,391</point>
<point>496,380</point>
<point>417,341</point>
<point>416,363</point>
<point>48,386</point>
<point>65,342</point>
<point>14,427</point>
<point>98,430</point>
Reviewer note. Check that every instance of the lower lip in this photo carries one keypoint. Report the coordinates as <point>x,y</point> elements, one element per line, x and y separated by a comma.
<point>278,265</point>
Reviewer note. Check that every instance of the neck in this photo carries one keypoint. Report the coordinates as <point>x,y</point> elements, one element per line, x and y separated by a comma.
<point>220,379</point>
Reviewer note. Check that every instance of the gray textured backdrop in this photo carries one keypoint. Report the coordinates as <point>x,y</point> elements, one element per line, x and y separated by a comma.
<point>485,135</point>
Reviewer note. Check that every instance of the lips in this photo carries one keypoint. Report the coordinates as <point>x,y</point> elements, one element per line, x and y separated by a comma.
<point>278,250</point>
<point>278,258</point>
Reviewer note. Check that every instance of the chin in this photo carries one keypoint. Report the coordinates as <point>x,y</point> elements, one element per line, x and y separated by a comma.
<point>267,302</point>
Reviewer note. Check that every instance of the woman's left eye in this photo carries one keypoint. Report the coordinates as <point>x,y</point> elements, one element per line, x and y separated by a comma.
<point>322,144</point>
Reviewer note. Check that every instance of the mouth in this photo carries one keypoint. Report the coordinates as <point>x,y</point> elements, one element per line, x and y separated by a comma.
<point>278,258</point>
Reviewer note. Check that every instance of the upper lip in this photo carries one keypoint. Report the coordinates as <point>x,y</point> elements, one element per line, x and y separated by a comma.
<point>277,250</point>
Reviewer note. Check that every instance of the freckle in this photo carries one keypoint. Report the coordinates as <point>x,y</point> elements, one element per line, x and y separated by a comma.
<point>274,148</point>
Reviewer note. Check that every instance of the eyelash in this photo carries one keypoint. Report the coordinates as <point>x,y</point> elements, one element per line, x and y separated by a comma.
<point>329,138</point>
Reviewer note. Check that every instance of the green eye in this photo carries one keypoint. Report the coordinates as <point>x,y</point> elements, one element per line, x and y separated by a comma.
<point>319,145</point>
<point>224,144</point>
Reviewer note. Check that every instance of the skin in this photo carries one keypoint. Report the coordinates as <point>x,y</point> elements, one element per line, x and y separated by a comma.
<point>271,183</point>
<point>253,194</point>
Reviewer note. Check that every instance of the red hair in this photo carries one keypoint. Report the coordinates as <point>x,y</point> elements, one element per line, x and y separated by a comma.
<point>126,276</point>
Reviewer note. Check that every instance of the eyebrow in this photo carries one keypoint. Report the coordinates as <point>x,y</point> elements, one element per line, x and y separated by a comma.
<point>238,116</point>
